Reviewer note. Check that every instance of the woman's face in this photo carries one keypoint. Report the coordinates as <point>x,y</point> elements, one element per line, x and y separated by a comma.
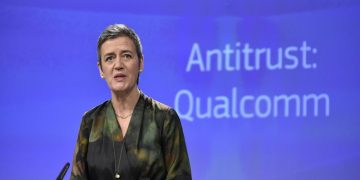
<point>120,64</point>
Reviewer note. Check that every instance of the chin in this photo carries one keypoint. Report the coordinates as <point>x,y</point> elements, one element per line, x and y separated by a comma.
<point>119,89</point>
<point>122,87</point>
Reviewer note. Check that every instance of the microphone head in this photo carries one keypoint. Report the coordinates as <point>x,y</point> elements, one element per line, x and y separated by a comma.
<point>63,171</point>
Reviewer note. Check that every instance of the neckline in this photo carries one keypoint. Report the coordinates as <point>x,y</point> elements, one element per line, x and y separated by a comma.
<point>115,129</point>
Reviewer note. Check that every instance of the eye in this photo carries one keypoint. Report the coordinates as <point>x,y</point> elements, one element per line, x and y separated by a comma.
<point>127,56</point>
<point>109,58</point>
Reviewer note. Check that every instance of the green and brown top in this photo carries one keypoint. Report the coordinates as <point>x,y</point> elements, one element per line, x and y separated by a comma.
<point>154,144</point>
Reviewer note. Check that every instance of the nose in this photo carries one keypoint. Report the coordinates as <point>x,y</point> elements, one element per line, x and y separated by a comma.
<point>118,65</point>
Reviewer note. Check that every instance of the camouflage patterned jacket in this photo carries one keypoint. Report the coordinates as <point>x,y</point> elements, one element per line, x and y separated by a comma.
<point>154,144</point>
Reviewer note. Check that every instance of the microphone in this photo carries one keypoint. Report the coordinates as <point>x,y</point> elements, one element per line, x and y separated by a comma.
<point>63,171</point>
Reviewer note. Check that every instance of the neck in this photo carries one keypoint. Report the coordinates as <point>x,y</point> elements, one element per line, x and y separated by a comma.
<point>124,103</point>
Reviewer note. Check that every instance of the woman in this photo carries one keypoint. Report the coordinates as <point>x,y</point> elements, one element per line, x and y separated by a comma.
<point>130,136</point>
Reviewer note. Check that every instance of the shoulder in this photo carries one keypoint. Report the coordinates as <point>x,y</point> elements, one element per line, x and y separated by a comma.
<point>159,110</point>
<point>94,112</point>
<point>154,105</point>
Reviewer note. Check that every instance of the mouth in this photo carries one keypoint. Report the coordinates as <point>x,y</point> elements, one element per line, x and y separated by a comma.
<point>119,77</point>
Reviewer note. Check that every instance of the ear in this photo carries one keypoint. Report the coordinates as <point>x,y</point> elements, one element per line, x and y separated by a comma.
<point>100,71</point>
<point>141,65</point>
